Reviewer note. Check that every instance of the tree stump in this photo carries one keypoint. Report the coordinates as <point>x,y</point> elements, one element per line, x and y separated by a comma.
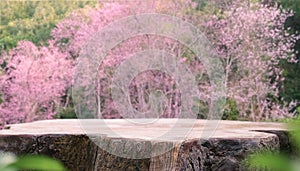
<point>74,144</point>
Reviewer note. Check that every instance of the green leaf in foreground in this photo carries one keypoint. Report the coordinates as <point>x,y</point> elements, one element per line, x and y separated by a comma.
<point>294,128</point>
<point>270,161</point>
<point>37,162</point>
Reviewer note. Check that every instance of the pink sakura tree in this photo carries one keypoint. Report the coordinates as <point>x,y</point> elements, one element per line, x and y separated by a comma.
<point>35,78</point>
<point>74,31</point>
<point>249,37</point>
<point>71,33</point>
<point>33,82</point>
<point>251,40</point>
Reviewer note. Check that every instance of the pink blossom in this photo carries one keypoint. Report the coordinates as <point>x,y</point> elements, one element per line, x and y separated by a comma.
<point>35,79</point>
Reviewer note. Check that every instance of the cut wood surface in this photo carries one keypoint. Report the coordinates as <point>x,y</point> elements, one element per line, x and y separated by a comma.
<point>145,144</point>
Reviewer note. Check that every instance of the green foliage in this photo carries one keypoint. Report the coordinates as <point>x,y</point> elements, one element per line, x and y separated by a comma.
<point>67,113</point>
<point>9,162</point>
<point>278,162</point>
<point>294,127</point>
<point>270,161</point>
<point>291,88</point>
<point>32,20</point>
<point>213,6</point>
<point>291,4</point>
<point>201,4</point>
<point>231,111</point>
<point>201,108</point>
